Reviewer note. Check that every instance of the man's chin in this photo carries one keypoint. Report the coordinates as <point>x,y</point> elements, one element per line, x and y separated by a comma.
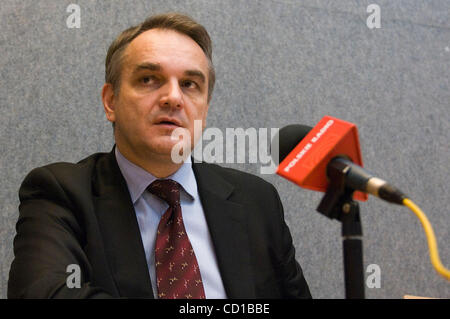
<point>170,150</point>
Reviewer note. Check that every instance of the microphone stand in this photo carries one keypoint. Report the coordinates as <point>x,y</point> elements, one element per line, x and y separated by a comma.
<point>338,204</point>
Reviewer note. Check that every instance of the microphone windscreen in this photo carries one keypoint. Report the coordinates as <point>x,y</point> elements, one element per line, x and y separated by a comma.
<point>288,138</point>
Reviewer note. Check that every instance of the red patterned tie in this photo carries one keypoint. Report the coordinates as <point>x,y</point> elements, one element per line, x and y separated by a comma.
<point>177,272</point>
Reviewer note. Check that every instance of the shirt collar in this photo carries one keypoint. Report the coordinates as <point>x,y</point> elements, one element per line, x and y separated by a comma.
<point>139,179</point>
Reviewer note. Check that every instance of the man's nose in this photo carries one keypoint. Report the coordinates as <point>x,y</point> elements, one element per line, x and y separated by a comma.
<point>172,95</point>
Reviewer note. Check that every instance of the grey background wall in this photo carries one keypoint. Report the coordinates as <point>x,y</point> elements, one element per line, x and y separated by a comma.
<point>278,62</point>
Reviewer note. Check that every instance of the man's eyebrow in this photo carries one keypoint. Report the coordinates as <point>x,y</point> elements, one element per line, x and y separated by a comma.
<point>157,67</point>
<point>148,66</point>
<point>196,73</point>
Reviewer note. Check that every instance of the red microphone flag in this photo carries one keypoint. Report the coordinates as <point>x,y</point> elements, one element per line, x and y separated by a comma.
<point>306,164</point>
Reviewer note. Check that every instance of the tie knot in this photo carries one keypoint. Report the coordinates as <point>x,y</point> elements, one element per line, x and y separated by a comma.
<point>166,189</point>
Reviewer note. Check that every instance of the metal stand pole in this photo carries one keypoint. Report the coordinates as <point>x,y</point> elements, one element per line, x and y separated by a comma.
<point>338,204</point>
<point>353,252</point>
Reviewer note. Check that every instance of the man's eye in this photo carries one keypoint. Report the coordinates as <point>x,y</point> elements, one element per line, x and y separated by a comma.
<point>148,80</point>
<point>189,84</point>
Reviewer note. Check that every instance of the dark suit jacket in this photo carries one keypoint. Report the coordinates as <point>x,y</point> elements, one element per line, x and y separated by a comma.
<point>82,214</point>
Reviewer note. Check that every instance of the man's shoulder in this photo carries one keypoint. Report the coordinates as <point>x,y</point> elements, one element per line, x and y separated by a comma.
<point>231,173</point>
<point>241,181</point>
<point>64,175</point>
<point>72,169</point>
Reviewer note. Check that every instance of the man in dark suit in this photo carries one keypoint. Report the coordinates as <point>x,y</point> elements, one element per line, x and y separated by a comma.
<point>101,216</point>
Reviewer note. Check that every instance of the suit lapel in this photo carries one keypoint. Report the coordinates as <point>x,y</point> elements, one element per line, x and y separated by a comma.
<point>227,222</point>
<point>120,231</point>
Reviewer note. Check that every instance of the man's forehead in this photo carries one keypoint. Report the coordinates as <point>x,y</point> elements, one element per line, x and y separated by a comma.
<point>161,43</point>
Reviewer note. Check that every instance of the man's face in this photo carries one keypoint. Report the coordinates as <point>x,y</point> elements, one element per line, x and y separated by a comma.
<point>164,85</point>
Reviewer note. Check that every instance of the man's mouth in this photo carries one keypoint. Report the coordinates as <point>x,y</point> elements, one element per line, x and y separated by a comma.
<point>169,122</point>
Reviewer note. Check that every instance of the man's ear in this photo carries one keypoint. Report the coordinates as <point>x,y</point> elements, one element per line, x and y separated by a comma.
<point>204,117</point>
<point>108,99</point>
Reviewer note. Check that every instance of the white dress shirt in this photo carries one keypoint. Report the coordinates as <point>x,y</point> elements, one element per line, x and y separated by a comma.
<point>149,209</point>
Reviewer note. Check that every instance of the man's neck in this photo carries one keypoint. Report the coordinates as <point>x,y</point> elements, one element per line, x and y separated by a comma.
<point>157,165</point>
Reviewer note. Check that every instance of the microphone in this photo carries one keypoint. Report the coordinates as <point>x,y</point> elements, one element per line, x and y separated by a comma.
<point>308,157</point>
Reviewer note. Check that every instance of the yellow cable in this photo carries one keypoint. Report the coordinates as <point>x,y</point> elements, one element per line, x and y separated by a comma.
<point>432,245</point>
